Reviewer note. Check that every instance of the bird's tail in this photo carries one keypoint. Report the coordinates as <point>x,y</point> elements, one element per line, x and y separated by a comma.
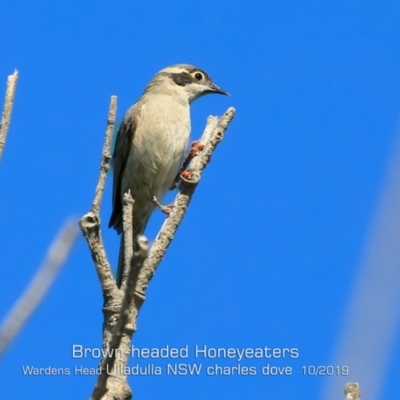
<point>139,225</point>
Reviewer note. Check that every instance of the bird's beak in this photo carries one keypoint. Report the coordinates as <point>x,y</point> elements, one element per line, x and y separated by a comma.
<point>216,89</point>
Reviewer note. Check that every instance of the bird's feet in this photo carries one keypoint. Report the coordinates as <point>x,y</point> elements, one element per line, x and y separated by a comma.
<point>186,174</point>
<point>165,209</point>
<point>195,148</point>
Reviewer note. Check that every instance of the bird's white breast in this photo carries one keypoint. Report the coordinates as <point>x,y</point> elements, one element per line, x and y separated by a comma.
<point>160,142</point>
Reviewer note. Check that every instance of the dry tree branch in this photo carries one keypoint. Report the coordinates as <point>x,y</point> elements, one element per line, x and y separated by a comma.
<point>90,222</point>
<point>352,391</point>
<point>7,108</point>
<point>121,307</point>
<point>124,324</point>
<point>42,281</point>
<point>106,155</point>
<point>128,234</point>
<point>112,296</point>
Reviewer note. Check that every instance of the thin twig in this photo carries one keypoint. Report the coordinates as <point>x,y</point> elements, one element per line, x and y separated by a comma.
<point>42,281</point>
<point>7,108</point>
<point>352,391</point>
<point>106,155</point>
<point>90,222</point>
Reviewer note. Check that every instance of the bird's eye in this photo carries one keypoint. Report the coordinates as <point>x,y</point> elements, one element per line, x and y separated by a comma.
<point>198,76</point>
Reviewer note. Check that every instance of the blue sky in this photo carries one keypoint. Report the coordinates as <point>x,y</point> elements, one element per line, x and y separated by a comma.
<point>274,237</point>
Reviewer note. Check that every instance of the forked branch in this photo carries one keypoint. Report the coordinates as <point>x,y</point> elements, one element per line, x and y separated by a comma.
<point>121,307</point>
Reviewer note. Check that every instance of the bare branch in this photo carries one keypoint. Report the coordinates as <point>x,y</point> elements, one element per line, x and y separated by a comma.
<point>90,227</point>
<point>106,155</point>
<point>124,327</point>
<point>90,222</point>
<point>213,134</point>
<point>42,281</point>
<point>121,307</point>
<point>127,237</point>
<point>7,108</point>
<point>352,391</point>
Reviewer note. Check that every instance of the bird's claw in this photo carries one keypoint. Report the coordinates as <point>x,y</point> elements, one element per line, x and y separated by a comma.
<point>195,148</point>
<point>165,209</point>
<point>186,174</point>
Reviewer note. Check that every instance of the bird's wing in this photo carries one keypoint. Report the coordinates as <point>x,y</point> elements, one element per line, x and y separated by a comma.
<point>123,143</point>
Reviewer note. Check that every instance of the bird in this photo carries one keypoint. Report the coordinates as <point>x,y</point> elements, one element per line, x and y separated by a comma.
<point>151,145</point>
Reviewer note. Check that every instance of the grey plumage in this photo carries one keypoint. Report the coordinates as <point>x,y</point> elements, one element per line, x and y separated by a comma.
<point>151,143</point>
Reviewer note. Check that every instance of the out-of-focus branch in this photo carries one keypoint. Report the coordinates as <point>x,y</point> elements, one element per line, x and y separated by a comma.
<point>90,222</point>
<point>37,289</point>
<point>352,391</point>
<point>7,108</point>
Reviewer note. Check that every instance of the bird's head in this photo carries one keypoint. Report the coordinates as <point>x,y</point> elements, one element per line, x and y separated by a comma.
<point>184,80</point>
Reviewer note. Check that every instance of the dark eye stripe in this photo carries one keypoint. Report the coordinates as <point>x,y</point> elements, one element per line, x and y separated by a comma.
<point>182,78</point>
